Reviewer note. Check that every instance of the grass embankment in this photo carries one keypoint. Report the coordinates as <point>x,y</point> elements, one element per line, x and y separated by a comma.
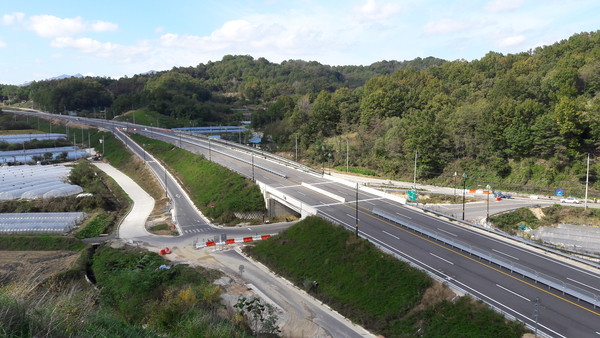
<point>39,243</point>
<point>548,216</point>
<point>208,183</point>
<point>134,299</point>
<point>356,170</point>
<point>371,288</point>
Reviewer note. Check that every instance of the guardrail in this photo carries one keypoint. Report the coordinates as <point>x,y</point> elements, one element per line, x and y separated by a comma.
<point>431,272</point>
<point>510,265</point>
<point>275,172</point>
<point>264,154</point>
<point>518,239</point>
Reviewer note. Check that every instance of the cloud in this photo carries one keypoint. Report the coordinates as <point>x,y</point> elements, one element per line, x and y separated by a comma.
<point>100,49</point>
<point>371,10</point>
<point>497,6</point>
<point>444,26</point>
<point>9,19</point>
<point>49,26</point>
<point>511,41</point>
<point>2,44</point>
<point>85,45</point>
<point>104,26</point>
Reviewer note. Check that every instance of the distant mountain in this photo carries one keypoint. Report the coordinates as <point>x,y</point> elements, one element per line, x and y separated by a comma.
<point>60,77</point>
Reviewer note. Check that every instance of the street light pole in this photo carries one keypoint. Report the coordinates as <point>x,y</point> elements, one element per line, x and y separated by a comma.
<point>587,181</point>
<point>487,218</point>
<point>454,183</point>
<point>464,189</point>
<point>252,166</point>
<point>166,196</point>
<point>356,231</point>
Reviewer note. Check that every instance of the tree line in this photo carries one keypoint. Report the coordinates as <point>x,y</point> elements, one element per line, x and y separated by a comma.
<point>522,118</point>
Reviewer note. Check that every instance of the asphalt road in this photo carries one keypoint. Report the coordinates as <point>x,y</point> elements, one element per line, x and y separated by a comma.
<point>552,310</point>
<point>558,314</point>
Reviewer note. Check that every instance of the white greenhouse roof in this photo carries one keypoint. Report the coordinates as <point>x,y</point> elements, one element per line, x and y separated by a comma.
<point>35,181</point>
<point>20,138</point>
<point>46,222</point>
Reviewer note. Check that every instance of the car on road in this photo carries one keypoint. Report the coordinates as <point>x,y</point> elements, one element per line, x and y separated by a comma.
<point>571,200</point>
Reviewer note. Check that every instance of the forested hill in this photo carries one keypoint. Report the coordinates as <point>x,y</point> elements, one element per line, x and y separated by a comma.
<point>522,119</point>
<point>203,93</point>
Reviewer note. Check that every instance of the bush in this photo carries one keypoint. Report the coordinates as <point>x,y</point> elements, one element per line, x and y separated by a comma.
<point>40,243</point>
<point>97,226</point>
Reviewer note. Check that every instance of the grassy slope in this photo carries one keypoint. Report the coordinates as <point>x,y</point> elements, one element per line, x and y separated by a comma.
<point>208,183</point>
<point>368,286</point>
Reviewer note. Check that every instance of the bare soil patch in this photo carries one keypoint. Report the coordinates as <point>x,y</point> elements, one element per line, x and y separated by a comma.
<point>34,265</point>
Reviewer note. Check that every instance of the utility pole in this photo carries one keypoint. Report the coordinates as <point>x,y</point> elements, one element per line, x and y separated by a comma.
<point>209,152</point>
<point>356,217</point>
<point>252,166</point>
<point>347,155</point>
<point>296,148</point>
<point>454,182</point>
<point>464,189</point>
<point>166,196</point>
<point>415,172</point>
<point>587,181</point>
<point>487,218</point>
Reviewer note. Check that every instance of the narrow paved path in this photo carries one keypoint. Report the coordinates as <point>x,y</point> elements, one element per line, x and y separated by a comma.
<point>302,316</point>
<point>134,224</point>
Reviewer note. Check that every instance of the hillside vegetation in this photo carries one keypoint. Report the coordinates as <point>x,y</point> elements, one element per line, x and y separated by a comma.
<point>521,121</point>
<point>133,298</point>
<point>218,192</point>
<point>374,289</point>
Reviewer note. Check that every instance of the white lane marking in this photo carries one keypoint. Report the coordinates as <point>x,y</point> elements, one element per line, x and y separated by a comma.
<point>481,295</point>
<point>445,260</point>
<point>352,216</point>
<point>448,232</point>
<point>387,233</point>
<point>505,254</point>
<point>301,193</point>
<point>514,293</point>
<point>598,333</point>
<point>576,281</point>
<point>249,229</point>
<point>399,214</point>
<point>371,203</point>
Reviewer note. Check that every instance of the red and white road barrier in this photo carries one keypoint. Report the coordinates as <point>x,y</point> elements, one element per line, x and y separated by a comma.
<point>232,241</point>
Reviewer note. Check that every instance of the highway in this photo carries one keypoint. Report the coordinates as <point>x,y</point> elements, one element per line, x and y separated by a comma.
<point>487,268</point>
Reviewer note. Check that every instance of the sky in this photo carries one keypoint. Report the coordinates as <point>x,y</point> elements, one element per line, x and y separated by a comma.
<point>41,39</point>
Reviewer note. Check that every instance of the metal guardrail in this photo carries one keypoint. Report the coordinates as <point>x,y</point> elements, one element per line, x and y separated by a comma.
<point>432,273</point>
<point>275,172</point>
<point>510,265</point>
<point>518,239</point>
<point>265,154</point>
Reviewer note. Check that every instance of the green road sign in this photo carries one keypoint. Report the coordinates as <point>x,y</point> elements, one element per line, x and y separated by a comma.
<point>412,195</point>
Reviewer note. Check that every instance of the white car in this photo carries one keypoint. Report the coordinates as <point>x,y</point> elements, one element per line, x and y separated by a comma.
<point>572,200</point>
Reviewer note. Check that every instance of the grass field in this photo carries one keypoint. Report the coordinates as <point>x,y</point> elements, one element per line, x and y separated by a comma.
<point>371,288</point>
<point>208,183</point>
